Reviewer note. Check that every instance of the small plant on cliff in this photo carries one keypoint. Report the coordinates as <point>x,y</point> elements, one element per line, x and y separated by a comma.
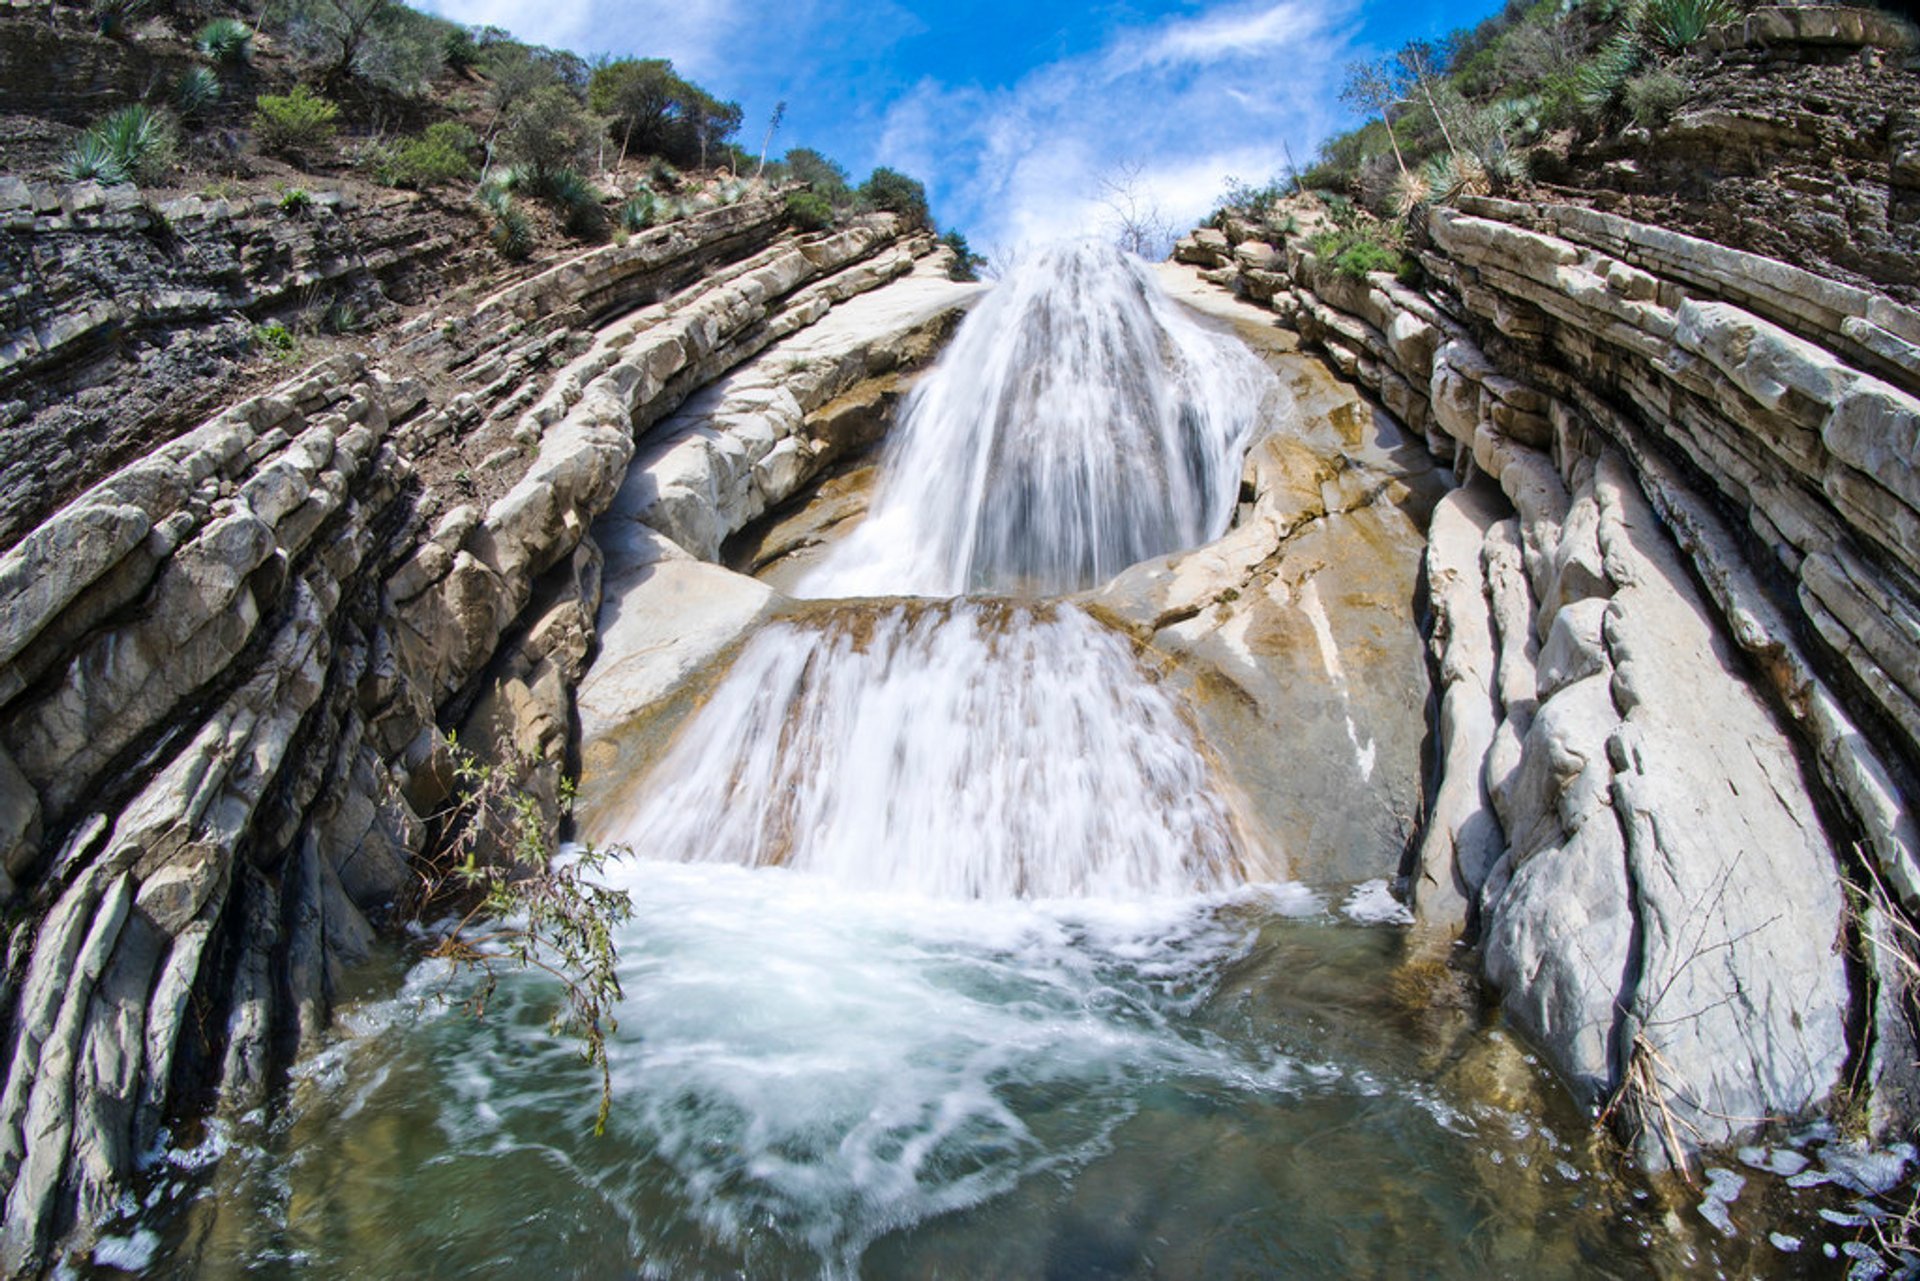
<point>276,340</point>
<point>1359,245</point>
<point>1650,98</point>
<point>809,211</point>
<point>1674,26</point>
<point>966,263</point>
<point>227,41</point>
<point>895,192</point>
<point>296,124</point>
<point>639,212</point>
<point>511,232</point>
<point>90,159</point>
<point>525,905</point>
<point>575,197</point>
<point>134,144</point>
<point>295,202</point>
<point>115,18</point>
<point>196,93</point>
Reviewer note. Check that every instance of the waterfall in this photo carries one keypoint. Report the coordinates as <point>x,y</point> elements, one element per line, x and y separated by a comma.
<point>965,749</point>
<point>1080,422</point>
<point>1001,747</point>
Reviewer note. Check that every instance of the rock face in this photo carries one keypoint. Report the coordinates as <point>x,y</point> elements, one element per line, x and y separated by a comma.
<point>1673,617</point>
<point>127,320</point>
<point>1288,636</point>
<point>227,669</point>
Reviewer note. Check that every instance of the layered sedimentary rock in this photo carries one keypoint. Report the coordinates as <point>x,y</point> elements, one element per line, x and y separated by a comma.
<point>228,669</point>
<point>1674,621</point>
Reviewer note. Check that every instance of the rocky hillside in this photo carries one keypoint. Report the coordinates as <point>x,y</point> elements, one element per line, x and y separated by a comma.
<point>1674,617</point>
<point>233,663</point>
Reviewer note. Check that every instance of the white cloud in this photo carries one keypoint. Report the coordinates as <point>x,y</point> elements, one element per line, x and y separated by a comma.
<point>1183,104</point>
<point>1237,32</point>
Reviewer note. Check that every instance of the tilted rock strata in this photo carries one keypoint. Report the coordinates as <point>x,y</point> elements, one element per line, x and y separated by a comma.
<point>1645,705</point>
<point>124,321</point>
<point>228,668</point>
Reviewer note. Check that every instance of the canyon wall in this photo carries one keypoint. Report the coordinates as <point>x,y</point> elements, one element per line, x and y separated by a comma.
<point>229,668</point>
<point>1676,630</point>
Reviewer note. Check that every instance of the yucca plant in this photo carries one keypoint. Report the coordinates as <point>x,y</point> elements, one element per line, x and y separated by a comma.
<point>134,144</point>
<point>639,211</point>
<point>1410,191</point>
<point>494,193</point>
<point>115,17</point>
<point>1674,26</point>
<point>142,138</point>
<point>1598,82</point>
<point>576,197</point>
<point>227,41</point>
<point>512,233</point>
<point>196,93</point>
<point>1455,174</point>
<point>90,159</point>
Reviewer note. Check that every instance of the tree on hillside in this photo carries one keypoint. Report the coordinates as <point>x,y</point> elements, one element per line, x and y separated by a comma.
<point>1134,220</point>
<point>514,71</point>
<point>1374,88</point>
<point>653,110</point>
<point>893,191</point>
<point>1423,66</point>
<point>381,42</point>
<point>548,132</point>
<point>825,177</point>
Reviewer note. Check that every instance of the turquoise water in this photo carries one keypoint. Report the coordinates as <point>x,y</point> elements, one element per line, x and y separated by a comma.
<point>816,1082</point>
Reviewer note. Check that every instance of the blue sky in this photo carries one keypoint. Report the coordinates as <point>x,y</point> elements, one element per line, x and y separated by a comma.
<point>1013,112</point>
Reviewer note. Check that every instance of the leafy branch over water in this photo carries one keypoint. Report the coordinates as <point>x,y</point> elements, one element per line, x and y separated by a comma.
<point>526,904</point>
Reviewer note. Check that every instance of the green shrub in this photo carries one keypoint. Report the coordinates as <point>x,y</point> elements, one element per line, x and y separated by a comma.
<point>826,178</point>
<point>227,41</point>
<point>1673,26</point>
<point>809,211</point>
<point>134,144</point>
<point>441,154</point>
<point>652,110</point>
<point>894,192</point>
<point>1651,97</point>
<point>296,123</point>
<point>276,340</point>
<point>1358,247</point>
<point>295,201</point>
<point>966,263</point>
<point>547,131</point>
<point>196,93</point>
<point>460,51</point>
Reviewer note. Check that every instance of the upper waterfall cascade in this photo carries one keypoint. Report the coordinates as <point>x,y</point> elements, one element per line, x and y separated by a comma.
<point>1081,422</point>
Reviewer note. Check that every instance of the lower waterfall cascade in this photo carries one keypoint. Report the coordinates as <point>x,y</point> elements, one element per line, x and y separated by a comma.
<point>952,952</point>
